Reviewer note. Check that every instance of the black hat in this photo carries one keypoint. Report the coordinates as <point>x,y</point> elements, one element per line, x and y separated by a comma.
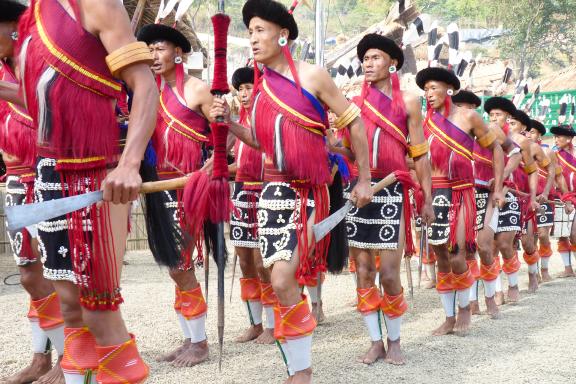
<point>271,11</point>
<point>374,40</point>
<point>467,97</point>
<point>535,124</point>
<point>501,103</point>
<point>563,130</point>
<point>244,75</point>
<point>151,33</point>
<point>437,74</point>
<point>10,11</point>
<point>523,118</point>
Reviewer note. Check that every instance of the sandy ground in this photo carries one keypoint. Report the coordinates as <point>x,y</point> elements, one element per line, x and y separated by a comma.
<point>532,343</point>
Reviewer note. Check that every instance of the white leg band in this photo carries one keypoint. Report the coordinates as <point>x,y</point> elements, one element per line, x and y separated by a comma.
<point>393,327</point>
<point>197,329</point>
<point>499,283</point>
<point>300,353</point>
<point>463,297</point>
<point>285,350</point>
<point>449,302</point>
<point>533,268</point>
<point>544,261</point>
<point>566,258</point>
<point>377,279</point>
<point>39,338</point>
<point>56,336</point>
<point>254,309</point>
<point>183,325</point>
<point>74,378</point>
<point>490,288</point>
<point>474,291</point>
<point>269,317</point>
<point>513,279</point>
<point>372,321</point>
<point>313,294</point>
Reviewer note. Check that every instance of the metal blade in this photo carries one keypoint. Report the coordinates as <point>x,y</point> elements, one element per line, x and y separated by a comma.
<point>325,226</point>
<point>233,274</point>
<point>20,216</point>
<point>408,268</point>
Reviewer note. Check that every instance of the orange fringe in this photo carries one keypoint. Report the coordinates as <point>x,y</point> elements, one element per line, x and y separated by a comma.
<point>368,300</point>
<point>296,320</point>
<point>394,306</point>
<point>193,303</point>
<point>121,364</point>
<point>250,289</point>
<point>48,311</point>
<point>79,351</point>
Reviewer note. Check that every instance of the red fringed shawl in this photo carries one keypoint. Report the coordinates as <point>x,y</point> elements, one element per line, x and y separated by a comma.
<point>451,150</point>
<point>180,134</point>
<point>250,161</point>
<point>567,162</point>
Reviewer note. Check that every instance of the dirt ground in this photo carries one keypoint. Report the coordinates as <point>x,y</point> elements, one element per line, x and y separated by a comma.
<point>532,343</point>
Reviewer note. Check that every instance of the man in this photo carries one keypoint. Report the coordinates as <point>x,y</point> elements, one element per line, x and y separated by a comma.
<point>181,138</point>
<point>546,215</point>
<point>451,132</point>
<point>18,147</point>
<point>70,53</point>
<point>394,127</point>
<point>255,287</point>
<point>289,126</point>
<point>520,123</point>
<point>467,99</point>
<point>501,111</point>
<point>563,136</point>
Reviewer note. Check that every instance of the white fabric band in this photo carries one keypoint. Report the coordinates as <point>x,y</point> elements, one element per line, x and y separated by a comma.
<point>499,282</point>
<point>566,258</point>
<point>269,317</point>
<point>197,329</point>
<point>513,279</point>
<point>463,297</point>
<point>39,338</point>
<point>544,261</point>
<point>313,293</point>
<point>474,291</point>
<point>533,268</point>
<point>184,326</point>
<point>393,327</point>
<point>300,353</point>
<point>56,336</point>
<point>490,288</point>
<point>74,378</point>
<point>254,309</point>
<point>372,322</point>
<point>449,302</point>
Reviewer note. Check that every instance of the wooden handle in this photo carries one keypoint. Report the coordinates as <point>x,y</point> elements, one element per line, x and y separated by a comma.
<point>164,185</point>
<point>385,182</point>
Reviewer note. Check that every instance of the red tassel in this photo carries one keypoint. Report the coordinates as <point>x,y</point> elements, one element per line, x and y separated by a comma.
<point>220,23</point>
<point>180,79</point>
<point>364,92</point>
<point>288,55</point>
<point>447,104</point>
<point>195,202</point>
<point>398,106</point>
<point>219,191</point>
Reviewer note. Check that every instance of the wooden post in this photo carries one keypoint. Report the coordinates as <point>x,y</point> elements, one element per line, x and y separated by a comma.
<point>138,12</point>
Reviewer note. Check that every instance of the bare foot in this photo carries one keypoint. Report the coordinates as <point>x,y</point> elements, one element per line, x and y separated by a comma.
<point>170,356</point>
<point>318,312</point>
<point>513,295</point>
<point>474,307</point>
<point>545,276</point>
<point>499,298</point>
<point>302,377</point>
<point>53,376</point>
<point>193,355</point>
<point>40,364</point>
<point>532,282</point>
<point>492,309</point>
<point>463,320</point>
<point>431,284</point>
<point>374,353</point>
<point>250,334</point>
<point>446,328</point>
<point>288,380</point>
<point>539,276</point>
<point>568,272</point>
<point>394,354</point>
<point>267,337</point>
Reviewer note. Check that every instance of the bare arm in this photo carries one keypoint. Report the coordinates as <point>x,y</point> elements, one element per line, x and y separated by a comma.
<point>542,157</point>
<point>9,93</point>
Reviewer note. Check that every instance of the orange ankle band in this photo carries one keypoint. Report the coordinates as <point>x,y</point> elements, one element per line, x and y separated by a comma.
<point>545,251</point>
<point>193,303</point>
<point>250,289</point>
<point>498,262</point>
<point>121,364</point>
<point>277,324</point>
<point>511,265</point>
<point>444,282</point>
<point>32,312</point>
<point>297,321</point>
<point>177,299</point>
<point>489,272</point>
<point>368,300</point>
<point>531,259</point>
<point>79,351</point>
<point>463,280</point>
<point>311,281</point>
<point>474,268</point>
<point>563,245</point>
<point>48,311</point>
<point>394,306</point>
<point>268,296</point>
<point>572,247</point>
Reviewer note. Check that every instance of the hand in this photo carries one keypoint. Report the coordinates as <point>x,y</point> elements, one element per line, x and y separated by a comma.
<point>534,206</point>
<point>498,199</point>
<point>208,165</point>
<point>427,213</point>
<point>542,198</point>
<point>122,185</point>
<point>219,108</point>
<point>568,207</point>
<point>491,184</point>
<point>362,193</point>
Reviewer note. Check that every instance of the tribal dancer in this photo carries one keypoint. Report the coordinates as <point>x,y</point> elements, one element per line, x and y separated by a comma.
<point>289,124</point>
<point>501,111</point>
<point>255,287</point>
<point>70,91</point>
<point>451,132</point>
<point>181,138</point>
<point>520,123</point>
<point>18,146</point>
<point>546,215</point>
<point>468,100</point>
<point>565,154</point>
<point>393,123</point>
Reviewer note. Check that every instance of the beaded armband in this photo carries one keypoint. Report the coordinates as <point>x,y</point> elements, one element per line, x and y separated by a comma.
<point>530,168</point>
<point>137,52</point>
<point>487,140</point>
<point>418,150</point>
<point>351,113</point>
<point>544,163</point>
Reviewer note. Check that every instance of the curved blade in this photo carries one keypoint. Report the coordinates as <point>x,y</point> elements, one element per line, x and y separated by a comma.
<point>325,226</point>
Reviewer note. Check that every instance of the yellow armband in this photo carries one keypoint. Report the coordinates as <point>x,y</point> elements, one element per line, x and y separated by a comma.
<point>558,171</point>
<point>418,150</point>
<point>487,140</point>
<point>544,163</point>
<point>137,52</point>
<point>530,168</point>
<point>351,113</point>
